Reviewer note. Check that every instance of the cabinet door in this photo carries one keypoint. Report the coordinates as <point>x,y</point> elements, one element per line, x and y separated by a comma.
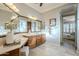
<point>43,39</point>
<point>39,40</point>
<point>15,52</point>
<point>32,42</point>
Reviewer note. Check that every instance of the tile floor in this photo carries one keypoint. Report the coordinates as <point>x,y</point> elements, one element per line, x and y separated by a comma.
<point>52,48</point>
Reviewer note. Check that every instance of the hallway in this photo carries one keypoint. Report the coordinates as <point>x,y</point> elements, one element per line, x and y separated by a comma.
<point>51,48</point>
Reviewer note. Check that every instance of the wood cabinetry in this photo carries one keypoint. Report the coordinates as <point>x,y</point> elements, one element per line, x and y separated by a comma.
<point>14,52</point>
<point>36,40</point>
<point>43,38</point>
<point>11,53</point>
<point>39,39</point>
<point>32,42</point>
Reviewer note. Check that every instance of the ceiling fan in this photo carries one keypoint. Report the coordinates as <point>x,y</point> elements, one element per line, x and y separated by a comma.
<point>41,4</point>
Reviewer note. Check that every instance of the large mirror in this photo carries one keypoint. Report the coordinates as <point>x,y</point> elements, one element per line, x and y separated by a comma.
<point>16,22</point>
<point>6,17</point>
<point>9,21</point>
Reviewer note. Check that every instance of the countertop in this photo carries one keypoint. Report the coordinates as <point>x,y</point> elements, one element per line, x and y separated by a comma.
<point>5,49</point>
<point>32,34</point>
<point>23,40</point>
<point>27,34</point>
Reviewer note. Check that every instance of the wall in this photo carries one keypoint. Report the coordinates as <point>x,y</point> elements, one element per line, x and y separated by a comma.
<point>56,30</point>
<point>55,13</point>
<point>78,27</point>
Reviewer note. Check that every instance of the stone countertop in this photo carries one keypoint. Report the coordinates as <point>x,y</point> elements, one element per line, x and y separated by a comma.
<point>32,34</point>
<point>28,34</point>
<point>23,40</point>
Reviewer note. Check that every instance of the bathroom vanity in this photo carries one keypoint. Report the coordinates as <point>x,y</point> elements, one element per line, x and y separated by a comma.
<point>35,39</point>
<point>14,49</point>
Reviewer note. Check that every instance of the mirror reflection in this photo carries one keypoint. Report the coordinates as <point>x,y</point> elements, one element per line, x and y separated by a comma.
<point>20,24</point>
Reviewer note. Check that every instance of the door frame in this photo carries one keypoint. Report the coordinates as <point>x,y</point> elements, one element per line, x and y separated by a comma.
<point>61,28</point>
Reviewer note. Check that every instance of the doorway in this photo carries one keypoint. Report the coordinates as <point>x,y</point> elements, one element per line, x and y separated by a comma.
<point>68,27</point>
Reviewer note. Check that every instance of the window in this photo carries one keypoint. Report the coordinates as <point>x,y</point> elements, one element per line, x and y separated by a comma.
<point>33,26</point>
<point>2,30</point>
<point>65,25</point>
<point>72,27</point>
<point>22,26</point>
<point>69,27</point>
<point>36,26</point>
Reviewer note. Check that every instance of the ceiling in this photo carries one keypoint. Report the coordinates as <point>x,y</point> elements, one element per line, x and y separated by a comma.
<point>3,7</point>
<point>45,7</point>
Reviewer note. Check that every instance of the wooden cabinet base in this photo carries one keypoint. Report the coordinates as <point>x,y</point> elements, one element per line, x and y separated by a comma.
<point>11,53</point>
<point>32,42</point>
<point>36,40</point>
<point>14,52</point>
